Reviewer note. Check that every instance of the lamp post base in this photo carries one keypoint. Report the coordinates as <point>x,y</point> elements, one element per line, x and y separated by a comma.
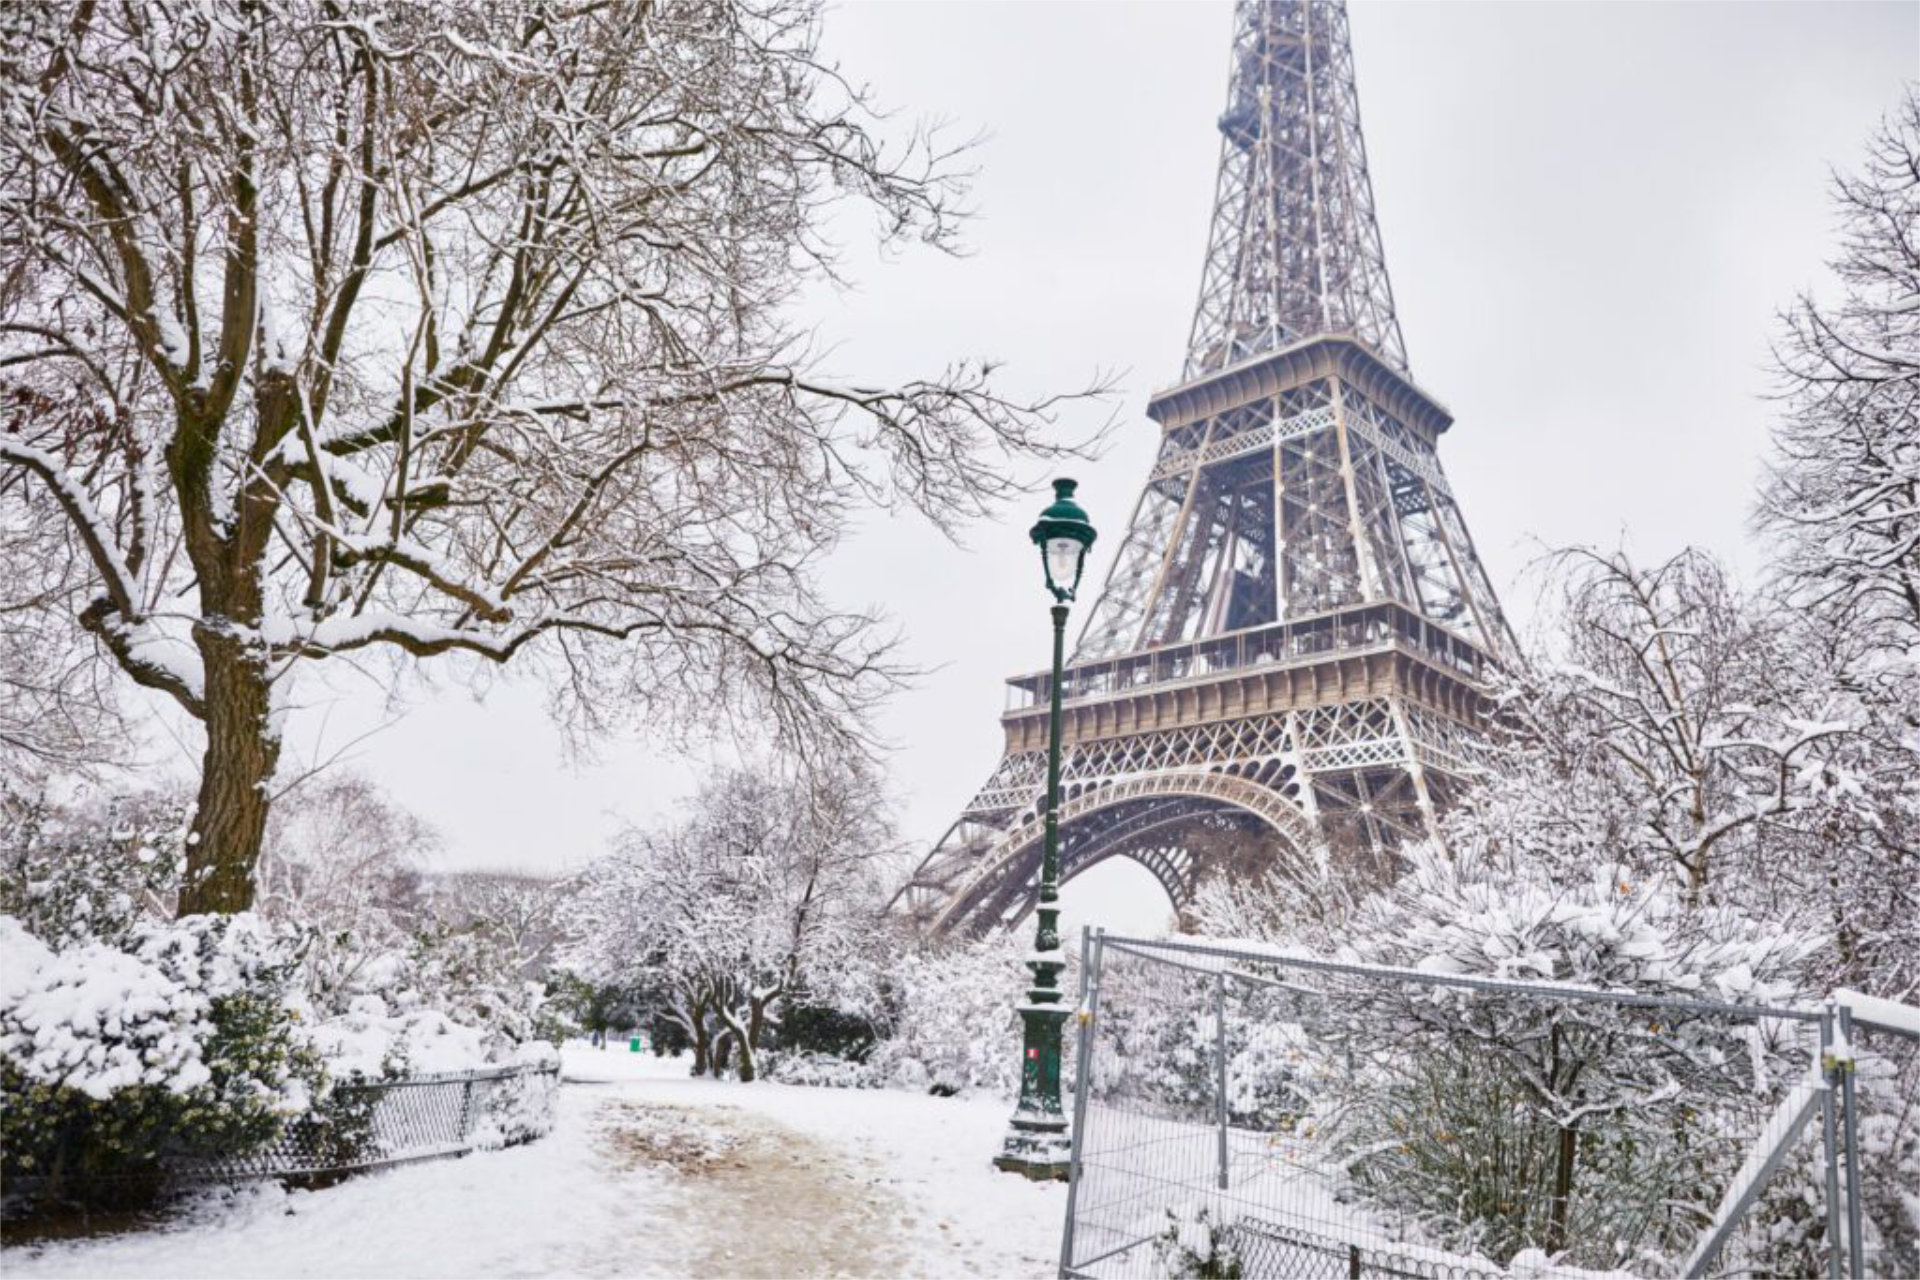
<point>1037,1147</point>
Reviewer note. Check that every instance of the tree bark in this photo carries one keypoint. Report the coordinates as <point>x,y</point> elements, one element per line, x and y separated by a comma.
<point>1568,1149</point>
<point>756,1023</point>
<point>230,817</point>
<point>697,1032</point>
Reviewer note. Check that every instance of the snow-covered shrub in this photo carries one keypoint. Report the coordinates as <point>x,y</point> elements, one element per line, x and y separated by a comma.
<point>180,1045</point>
<point>821,1070</point>
<point>475,981</point>
<point>953,1026</point>
<point>519,1107</point>
<point>369,1042</point>
<point>91,868</point>
<point>342,862</point>
<point>1500,1122</point>
<point>808,1027</point>
<point>1198,1244</point>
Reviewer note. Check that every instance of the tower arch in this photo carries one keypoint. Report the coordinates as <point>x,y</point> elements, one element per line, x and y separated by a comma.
<point>1180,825</point>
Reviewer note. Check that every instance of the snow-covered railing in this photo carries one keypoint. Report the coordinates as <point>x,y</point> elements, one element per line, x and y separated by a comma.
<point>1284,958</point>
<point>385,1122</point>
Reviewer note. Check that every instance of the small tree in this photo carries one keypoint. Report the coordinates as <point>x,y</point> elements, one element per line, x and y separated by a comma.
<point>1662,686</point>
<point>343,862</point>
<point>452,330</point>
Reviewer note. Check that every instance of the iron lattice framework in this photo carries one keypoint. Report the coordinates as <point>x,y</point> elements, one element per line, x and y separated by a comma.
<point>1296,632</point>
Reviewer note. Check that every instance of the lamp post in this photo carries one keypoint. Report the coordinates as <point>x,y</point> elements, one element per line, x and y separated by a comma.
<point>1037,1142</point>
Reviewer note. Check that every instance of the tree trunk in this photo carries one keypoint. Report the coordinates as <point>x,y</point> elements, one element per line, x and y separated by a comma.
<point>756,1022</point>
<point>230,818</point>
<point>697,1032</point>
<point>722,1053</point>
<point>1560,1209</point>
<point>1562,1189</point>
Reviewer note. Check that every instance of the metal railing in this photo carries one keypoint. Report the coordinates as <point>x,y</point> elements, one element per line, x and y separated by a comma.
<point>359,1125</point>
<point>385,1122</point>
<point>1244,1112</point>
<point>1372,627</point>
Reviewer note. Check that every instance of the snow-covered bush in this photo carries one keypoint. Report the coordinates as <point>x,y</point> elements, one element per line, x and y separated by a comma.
<point>821,1070</point>
<point>89,868</point>
<point>519,1107</point>
<point>181,1044</point>
<point>1500,1122</point>
<point>953,1028</point>
<point>1198,1245</point>
<point>477,982</point>
<point>342,862</point>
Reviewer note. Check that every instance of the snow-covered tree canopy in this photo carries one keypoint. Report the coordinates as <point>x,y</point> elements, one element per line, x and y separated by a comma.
<point>768,890</point>
<point>453,329</point>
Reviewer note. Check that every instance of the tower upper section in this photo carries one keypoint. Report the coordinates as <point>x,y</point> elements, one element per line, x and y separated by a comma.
<point>1294,250</point>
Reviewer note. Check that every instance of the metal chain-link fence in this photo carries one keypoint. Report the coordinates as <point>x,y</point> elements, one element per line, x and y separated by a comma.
<point>1242,1112</point>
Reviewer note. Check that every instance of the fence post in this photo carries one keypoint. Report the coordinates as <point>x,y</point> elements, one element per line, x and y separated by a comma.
<point>1849,1119</point>
<point>1830,1138</point>
<point>1353,1262</point>
<point>1091,949</point>
<point>466,1108</point>
<point>1220,1065</point>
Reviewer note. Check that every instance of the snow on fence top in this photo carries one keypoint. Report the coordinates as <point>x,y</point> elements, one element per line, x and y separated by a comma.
<point>1872,1011</point>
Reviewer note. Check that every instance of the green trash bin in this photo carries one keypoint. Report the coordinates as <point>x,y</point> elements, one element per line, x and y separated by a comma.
<point>633,1045</point>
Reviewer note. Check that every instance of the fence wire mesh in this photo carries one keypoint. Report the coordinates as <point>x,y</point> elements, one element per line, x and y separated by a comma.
<point>361,1125</point>
<point>1245,1113</point>
<point>392,1121</point>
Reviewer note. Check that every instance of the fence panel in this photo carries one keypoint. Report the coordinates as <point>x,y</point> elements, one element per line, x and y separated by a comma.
<point>1248,1113</point>
<point>393,1121</point>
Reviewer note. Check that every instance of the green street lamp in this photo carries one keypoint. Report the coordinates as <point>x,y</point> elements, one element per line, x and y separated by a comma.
<point>1037,1142</point>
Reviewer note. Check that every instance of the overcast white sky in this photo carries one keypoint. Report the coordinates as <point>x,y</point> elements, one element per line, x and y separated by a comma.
<point>1591,212</point>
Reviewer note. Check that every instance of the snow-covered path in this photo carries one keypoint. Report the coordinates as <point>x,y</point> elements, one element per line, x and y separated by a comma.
<point>647,1173</point>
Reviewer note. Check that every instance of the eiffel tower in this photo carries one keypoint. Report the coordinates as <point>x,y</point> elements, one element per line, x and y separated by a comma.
<point>1295,635</point>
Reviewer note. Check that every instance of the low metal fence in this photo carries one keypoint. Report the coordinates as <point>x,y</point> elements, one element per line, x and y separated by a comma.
<point>1240,1112</point>
<point>362,1125</point>
<point>385,1122</point>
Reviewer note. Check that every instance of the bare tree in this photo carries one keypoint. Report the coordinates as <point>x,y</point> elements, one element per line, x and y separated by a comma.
<point>1843,494</point>
<point>58,710</point>
<point>344,860</point>
<point>456,330</point>
<point>519,912</point>
<point>1662,685</point>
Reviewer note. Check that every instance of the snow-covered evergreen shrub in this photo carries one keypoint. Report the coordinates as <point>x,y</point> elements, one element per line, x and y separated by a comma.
<point>519,1108</point>
<point>1503,1122</point>
<point>475,981</point>
<point>181,1045</point>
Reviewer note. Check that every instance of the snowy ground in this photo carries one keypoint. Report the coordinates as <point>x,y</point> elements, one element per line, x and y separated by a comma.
<point>647,1173</point>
